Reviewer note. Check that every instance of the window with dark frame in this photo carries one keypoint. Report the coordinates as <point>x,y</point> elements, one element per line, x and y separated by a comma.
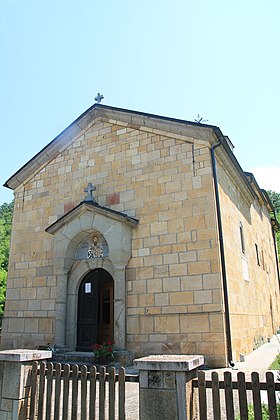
<point>257,254</point>
<point>242,238</point>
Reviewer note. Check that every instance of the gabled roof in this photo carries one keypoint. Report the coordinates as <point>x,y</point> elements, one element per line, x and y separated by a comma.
<point>58,144</point>
<point>92,207</point>
<point>143,120</point>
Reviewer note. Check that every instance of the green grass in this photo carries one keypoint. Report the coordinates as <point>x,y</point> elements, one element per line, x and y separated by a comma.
<point>275,365</point>
<point>265,412</point>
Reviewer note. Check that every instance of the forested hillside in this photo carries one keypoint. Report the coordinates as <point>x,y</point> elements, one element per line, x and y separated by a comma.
<point>6,213</point>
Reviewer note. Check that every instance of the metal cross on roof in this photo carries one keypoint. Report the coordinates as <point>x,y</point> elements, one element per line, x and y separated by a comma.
<point>200,120</point>
<point>98,98</point>
<point>89,190</point>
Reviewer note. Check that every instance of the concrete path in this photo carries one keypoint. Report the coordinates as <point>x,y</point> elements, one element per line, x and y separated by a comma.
<point>259,360</point>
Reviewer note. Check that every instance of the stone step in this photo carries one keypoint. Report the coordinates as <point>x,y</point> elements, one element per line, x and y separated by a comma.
<point>121,358</point>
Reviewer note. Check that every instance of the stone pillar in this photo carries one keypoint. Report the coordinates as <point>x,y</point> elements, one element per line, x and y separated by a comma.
<point>60,307</point>
<point>15,368</point>
<point>119,308</point>
<point>164,388</point>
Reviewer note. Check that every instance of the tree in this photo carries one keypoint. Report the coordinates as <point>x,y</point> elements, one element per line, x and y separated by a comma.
<point>275,200</point>
<point>6,215</point>
<point>3,280</point>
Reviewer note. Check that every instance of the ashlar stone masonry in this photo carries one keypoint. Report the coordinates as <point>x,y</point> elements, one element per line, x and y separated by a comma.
<point>158,287</point>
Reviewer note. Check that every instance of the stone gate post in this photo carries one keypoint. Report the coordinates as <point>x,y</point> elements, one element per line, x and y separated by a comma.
<point>15,367</point>
<point>165,385</point>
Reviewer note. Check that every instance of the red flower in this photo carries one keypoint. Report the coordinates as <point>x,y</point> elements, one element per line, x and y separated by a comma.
<point>104,350</point>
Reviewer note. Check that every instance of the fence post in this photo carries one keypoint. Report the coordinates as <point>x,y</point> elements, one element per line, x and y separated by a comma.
<point>165,390</point>
<point>15,371</point>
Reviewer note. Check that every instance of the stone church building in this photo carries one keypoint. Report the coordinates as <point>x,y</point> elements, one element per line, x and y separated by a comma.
<point>143,230</point>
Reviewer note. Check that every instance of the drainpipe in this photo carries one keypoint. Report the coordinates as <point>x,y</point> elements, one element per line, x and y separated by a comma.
<point>222,252</point>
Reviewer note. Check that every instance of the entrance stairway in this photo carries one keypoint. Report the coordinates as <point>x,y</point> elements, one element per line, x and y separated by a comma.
<point>121,358</point>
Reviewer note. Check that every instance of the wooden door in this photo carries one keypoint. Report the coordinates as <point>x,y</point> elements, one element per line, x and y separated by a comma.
<point>105,329</point>
<point>95,322</point>
<point>87,312</point>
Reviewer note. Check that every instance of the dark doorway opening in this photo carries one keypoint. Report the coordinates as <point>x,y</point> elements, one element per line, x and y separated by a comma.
<point>95,310</point>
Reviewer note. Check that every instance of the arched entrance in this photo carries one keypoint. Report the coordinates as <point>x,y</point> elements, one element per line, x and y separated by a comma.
<point>69,232</point>
<point>95,318</point>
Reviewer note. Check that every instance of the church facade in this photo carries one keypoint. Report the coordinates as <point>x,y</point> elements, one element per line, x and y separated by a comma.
<point>143,230</point>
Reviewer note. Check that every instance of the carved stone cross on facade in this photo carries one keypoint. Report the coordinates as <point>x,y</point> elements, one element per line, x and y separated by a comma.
<point>89,190</point>
<point>98,98</point>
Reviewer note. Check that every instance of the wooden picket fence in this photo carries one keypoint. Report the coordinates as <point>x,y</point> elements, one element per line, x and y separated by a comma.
<point>70,392</point>
<point>238,398</point>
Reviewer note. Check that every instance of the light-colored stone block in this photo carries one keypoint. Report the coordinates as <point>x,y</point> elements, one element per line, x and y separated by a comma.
<point>191,323</point>
<point>167,324</point>
<point>181,298</point>
<point>202,296</point>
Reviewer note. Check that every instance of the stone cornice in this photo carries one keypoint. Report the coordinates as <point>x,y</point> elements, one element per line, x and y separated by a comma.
<point>92,207</point>
<point>237,178</point>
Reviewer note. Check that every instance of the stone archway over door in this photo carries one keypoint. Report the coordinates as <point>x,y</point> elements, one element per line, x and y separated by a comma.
<point>95,318</point>
<point>69,231</point>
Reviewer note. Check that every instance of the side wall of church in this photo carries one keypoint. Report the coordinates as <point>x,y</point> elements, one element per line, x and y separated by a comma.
<point>173,280</point>
<point>251,268</point>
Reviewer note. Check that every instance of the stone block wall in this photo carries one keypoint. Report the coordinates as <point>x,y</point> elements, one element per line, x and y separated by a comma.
<point>252,277</point>
<point>174,302</point>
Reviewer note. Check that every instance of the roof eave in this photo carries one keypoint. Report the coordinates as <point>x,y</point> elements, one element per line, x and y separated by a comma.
<point>51,150</point>
<point>234,161</point>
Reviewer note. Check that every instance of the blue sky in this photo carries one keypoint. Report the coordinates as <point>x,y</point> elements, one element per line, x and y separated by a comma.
<point>218,58</point>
